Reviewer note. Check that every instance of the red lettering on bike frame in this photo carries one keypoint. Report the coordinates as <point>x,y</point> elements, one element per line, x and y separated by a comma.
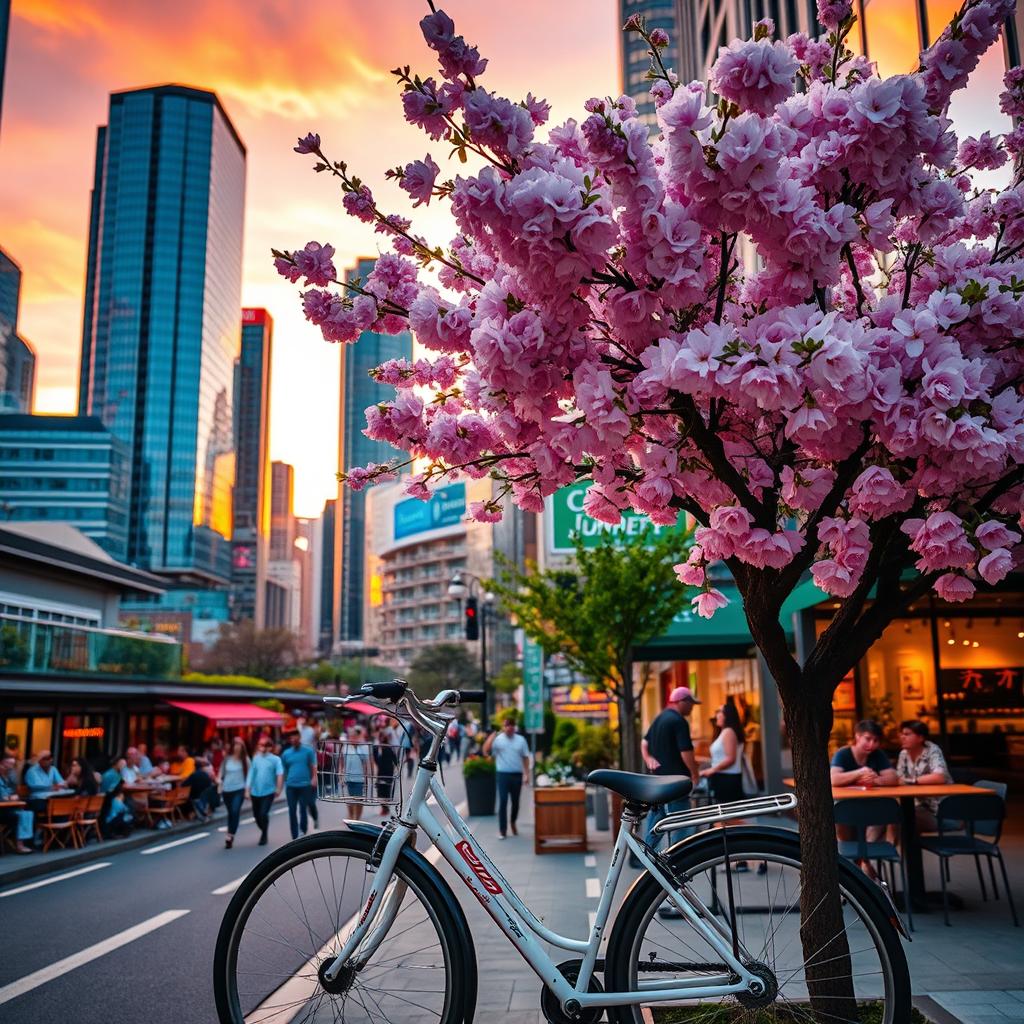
<point>489,884</point>
<point>366,910</point>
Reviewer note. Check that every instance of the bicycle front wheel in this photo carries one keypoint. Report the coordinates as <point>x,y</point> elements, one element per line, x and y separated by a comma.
<point>651,944</point>
<point>290,918</point>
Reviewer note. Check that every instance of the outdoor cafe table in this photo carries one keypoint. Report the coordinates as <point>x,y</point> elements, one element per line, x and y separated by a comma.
<point>906,795</point>
<point>9,804</point>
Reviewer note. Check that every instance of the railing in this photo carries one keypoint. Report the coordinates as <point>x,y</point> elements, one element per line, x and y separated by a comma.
<point>41,647</point>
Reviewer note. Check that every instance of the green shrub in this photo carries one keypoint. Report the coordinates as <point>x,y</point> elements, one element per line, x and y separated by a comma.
<point>474,766</point>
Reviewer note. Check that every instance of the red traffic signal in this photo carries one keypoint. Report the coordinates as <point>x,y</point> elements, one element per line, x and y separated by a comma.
<point>472,621</point>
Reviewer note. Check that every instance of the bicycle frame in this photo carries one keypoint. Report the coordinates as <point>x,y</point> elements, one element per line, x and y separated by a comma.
<point>471,862</point>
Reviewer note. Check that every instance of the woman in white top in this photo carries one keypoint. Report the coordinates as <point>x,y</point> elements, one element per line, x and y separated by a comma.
<point>357,769</point>
<point>234,770</point>
<point>725,776</point>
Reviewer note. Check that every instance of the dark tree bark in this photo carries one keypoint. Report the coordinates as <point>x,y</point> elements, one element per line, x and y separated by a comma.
<point>629,734</point>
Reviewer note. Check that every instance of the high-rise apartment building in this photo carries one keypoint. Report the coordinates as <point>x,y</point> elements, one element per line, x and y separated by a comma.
<point>5,18</point>
<point>160,333</point>
<point>358,391</point>
<point>634,60</point>
<point>251,533</point>
<point>65,469</point>
<point>17,359</point>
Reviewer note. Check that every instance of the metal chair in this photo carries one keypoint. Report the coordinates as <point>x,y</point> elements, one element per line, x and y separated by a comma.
<point>860,815</point>
<point>977,814</point>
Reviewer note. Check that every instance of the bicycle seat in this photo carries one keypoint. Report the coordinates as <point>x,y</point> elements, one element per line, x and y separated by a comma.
<point>643,789</point>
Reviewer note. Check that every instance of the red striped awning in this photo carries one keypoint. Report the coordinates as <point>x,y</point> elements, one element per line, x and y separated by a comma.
<point>225,715</point>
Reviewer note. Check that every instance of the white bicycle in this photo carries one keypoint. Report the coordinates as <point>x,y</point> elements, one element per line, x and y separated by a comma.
<point>358,925</point>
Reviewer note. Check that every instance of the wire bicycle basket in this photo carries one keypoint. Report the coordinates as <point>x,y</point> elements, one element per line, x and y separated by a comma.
<point>360,772</point>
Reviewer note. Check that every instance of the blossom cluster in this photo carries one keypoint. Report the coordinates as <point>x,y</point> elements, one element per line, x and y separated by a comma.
<point>792,313</point>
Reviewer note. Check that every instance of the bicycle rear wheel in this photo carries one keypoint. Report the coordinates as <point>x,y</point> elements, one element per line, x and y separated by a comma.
<point>290,918</point>
<point>650,944</point>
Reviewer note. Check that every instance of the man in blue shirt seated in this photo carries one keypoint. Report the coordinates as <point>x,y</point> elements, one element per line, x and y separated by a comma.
<point>863,763</point>
<point>42,779</point>
<point>299,762</point>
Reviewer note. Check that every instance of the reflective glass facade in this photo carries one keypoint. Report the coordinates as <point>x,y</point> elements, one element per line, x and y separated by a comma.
<point>328,521</point>
<point>66,469</point>
<point>252,467</point>
<point>358,391</point>
<point>17,359</point>
<point>633,51</point>
<point>161,331</point>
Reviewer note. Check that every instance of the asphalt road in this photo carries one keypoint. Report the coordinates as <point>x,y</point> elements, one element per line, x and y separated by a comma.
<point>167,903</point>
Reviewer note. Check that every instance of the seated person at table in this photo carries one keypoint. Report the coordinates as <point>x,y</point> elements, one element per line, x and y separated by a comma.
<point>144,764</point>
<point>42,779</point>
<point>131,773</point>
<point>183,764</point>
<point>17,820</point>
<point>81,778</point>
<point>202,789</point>
<point>921,763</point>
<point>112,776</point>
<point>116,818</point>
<point>863,763</point>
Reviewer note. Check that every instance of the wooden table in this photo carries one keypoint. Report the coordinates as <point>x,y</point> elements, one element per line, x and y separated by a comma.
<point>11,804</point>
<point>906,795</point>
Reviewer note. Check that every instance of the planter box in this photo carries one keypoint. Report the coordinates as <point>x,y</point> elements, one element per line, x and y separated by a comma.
<point>560,819</point>
<point>481,794</point>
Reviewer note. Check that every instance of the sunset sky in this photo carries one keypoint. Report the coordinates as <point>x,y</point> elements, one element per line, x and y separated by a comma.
<point>280,69</point>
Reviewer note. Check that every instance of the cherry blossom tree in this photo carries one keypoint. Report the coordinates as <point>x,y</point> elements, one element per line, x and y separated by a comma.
<point>793,314</point>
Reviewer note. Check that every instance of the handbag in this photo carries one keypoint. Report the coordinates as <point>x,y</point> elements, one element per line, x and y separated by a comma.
<point>750,786</point>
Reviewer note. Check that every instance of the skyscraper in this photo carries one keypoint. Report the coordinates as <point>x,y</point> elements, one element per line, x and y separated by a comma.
<point>160,333</point>
<point>251,534</point>
<point>283,589</point>
<point>17,359</point>
<point>358,391</point>
<point>5,18</point>
<point>633,56</point>
<point>326,575</point>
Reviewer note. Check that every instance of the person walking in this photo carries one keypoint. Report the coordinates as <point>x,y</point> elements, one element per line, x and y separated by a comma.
<point>512,767</point>
<point>356,752</point>
<point>234,770</point>
<point>668,750</point>
<point>299,763</point>
<point>264,782</point>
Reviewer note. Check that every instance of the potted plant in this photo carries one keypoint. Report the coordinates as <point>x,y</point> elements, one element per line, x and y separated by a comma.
<point>481,789</point>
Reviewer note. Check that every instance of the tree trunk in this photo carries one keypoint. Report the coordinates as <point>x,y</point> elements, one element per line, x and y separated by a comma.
<point>629,731</point>
<point>826,950</point>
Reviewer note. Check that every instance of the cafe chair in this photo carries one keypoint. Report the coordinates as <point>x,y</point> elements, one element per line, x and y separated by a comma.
<point>860,815</point>
<point>974,814</point>
<point>89,819</point>
<point>61,822</point>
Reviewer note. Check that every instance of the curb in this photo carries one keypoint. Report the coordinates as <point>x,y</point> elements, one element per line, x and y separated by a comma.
<point>100,851</point>
<point>933,1011</point>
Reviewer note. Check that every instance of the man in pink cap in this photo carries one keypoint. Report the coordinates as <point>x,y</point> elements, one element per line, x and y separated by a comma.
<point>668,750</point>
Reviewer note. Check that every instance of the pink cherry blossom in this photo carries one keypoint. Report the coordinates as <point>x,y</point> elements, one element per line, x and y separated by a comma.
<point>757,76</point>
<point>951,586</point>
<point>708,602</point>
<point>995,566</point>
<point>418,180</point>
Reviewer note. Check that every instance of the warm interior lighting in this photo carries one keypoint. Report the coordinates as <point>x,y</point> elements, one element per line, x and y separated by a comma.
<point>974,643</point>
<point>950,641</point>
<point>967,643</point>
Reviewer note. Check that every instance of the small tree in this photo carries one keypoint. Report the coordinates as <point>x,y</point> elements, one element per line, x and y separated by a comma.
<point>618,596</point>
<point>507,679</point>
<point>242,649</point>
<point>443,667</point>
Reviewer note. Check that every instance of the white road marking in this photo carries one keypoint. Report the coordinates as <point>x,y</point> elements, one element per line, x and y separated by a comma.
<point>84,956</point>
<point>590,860</point>
<point>593,888</point>
<point>230,887</point>
<point>280,810</point>
<point>56,878</point>
<point>244,821</point>
<point>176,842</point>
<point>296,992</point>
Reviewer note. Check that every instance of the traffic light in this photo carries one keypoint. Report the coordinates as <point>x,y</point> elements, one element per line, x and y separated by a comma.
<point>472,619</point>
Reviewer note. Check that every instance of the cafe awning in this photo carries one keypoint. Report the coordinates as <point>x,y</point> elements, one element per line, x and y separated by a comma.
<point>226,715</point>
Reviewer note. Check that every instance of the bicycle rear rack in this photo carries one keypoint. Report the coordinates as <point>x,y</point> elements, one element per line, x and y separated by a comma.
<point>715,813</point>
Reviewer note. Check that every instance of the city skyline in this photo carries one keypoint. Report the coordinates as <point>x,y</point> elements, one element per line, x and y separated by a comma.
<point>280,79</point>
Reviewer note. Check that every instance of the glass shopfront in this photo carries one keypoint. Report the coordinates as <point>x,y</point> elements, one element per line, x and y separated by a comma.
<point>958,668</point>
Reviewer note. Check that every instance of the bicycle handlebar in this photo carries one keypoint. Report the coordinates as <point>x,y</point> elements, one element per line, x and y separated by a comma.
<point>385,691</point>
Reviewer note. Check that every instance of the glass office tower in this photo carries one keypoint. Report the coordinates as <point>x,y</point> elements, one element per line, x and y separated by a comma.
<point>17,358</point>
<point>252,469</point>
<point>161,331</point>
<point>633,55</point>
<point>358,391</point>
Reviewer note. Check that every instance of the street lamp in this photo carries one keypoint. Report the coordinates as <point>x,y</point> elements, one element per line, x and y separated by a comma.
<point>457,589</point>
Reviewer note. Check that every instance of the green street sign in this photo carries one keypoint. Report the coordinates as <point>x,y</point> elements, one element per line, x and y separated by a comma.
<point>533,686</point>
<point>564,517</point>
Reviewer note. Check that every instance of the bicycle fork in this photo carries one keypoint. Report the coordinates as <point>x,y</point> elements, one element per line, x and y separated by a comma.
<point>378,913</point>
